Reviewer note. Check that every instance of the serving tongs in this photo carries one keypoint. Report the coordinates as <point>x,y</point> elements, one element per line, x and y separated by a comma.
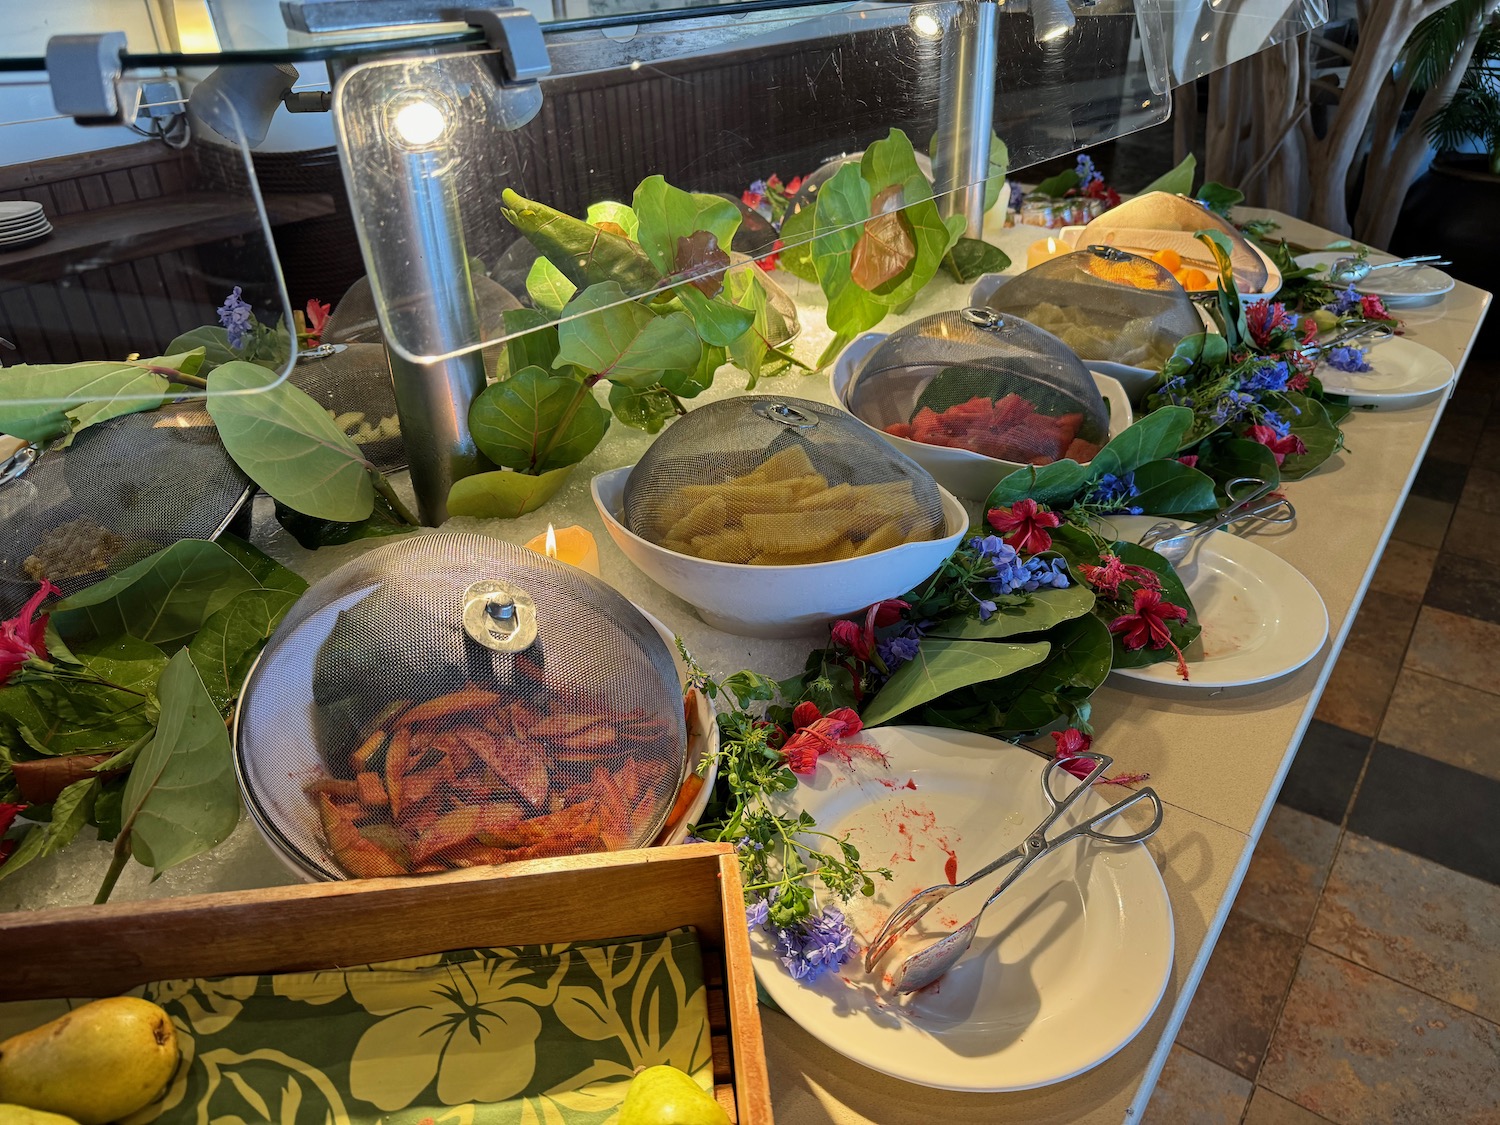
<point>928,964</point>
<point>1173,542</point>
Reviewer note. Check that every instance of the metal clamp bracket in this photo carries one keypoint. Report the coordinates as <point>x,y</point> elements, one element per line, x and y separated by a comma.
<point>84,73</point>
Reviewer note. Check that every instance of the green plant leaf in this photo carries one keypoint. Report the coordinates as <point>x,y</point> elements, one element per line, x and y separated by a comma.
<point>667,214</point>
<point>57,717</point>
<point>503,495</point>
<point>163,598</point>
<point>611,212</point>
<point>942,666</point>
<point>796,256</point>
<point>548,288</point>
<point>516,422</point>
<point>584,254</point>
<point>1054,484</point>
<point>1156,436</point>
<point>759,352</point>
<point>182,798</point>
<point>312,533</point>
<point>128,661</point>
<point>70,812</point>
<point>232,638</point>
<point>1178,181</point>
<point>1018,614</point>
<point>214,341</point>
<point>838,221</point>
<point>616,338</point>
<point>532,337</point>
<point>1310,422</point>
<point>1170,488</point>
<point>1055,187</point>
<point>890,162</point>
<point>262,567</point>
<point>1230,308</point>
<point>999,166</point>
<point>645,410</point>
<point>289,445</point>
<point>1203,352</point>
<point>1224,458</point>
<point>973,257</point>
<point>1219,198</point>
<point>39,402</point>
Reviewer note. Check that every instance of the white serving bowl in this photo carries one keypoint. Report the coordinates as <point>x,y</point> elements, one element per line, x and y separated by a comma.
<point>777,601</point>
<point>960,471</point>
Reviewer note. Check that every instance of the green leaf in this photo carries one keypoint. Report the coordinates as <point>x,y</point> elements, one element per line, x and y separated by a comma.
<point>503,495</point>
<point>1219,198</point>
<point>973,257</point>
<point>214,341</point>
<point>262,567</point>
<point>838,220</point>
<point>1310,422</point>
<point>941,666</point>
<point>1170,488</point>
<point>611,336</point>
<point>1230,309</point>
<point>1224,458</point>
<point>584,254</point>
<point>312,533</point>
<point>890,162</point>
<point>796,255</point>
<point>1055,187</point>
<point>1019,614</point>
<point>57,717</point>
<point>759,351</point>
<point>124,660</point>
<point>232,638</point>
<point>39,402</point>
<point>163,598</point>
<point>1203,352</point>
<point>1054,484</point>
<point>182,797</point>
<point>611,212</point>
<point>533,413</point>
<point>999,166</point>
<point>1152,438</point>
<point>1179,181</point>
<point>666,214</point>
<point>548,288</point>
<point>289,445</point>
<point>70,812</point>
<point>645,410</point>
<point>531,337</point>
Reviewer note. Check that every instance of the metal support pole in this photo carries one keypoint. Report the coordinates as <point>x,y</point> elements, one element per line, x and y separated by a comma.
<point>966,110</point>
<point>432,399</point>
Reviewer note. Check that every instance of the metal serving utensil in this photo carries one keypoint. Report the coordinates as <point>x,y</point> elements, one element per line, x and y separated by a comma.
<point>1350,270</point>
<point>1174,547</point>
<point>1241,491</point>
<point>927,965</point>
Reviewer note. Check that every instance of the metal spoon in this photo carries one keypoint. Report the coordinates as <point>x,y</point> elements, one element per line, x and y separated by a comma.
<point>1350,270</point>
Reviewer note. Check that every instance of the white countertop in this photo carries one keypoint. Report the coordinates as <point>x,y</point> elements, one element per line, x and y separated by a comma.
<point>1216,760</point>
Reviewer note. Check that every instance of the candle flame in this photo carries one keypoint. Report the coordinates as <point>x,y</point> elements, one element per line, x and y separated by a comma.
<point>1052,246</point>
<point>551,548</point>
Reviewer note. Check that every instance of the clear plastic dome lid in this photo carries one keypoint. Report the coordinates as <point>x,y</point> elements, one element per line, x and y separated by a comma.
<point>773,481</point>
<point>995,385</point>
<point>1104,304</point>
<point>1158,222</point>
<point>453,700</point>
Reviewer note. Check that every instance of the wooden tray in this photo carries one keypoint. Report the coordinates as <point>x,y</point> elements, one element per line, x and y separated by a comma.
<point>104,950</point>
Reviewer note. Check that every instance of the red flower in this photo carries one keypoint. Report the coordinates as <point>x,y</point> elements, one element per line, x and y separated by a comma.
<point>848,636</point>
<point>751,199</point>
<point>859,642</point>
<point>1108,578</point>
<point>1024,525</point>
<point>1309,331</point>
<point>8,814</point>
<point>1188,459</point>
<point>794,185</point>
<point>317,316</point>
<point>1071,743</point>
<point>1372,308</point>
<point>1280,446</point>
<point>1265,319</point>
<point>769,262</point>
<point>1148,625</point>
<point>1100,190</point>
<point>817,735</point>
<point>25,635</point>
<point>1297,382</point>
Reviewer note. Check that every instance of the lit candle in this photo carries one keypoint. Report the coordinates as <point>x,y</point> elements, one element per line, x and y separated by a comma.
<point>573,545</point>
<point>1044,251</point>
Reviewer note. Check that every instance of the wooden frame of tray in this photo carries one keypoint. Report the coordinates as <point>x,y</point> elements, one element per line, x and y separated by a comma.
<point>95,951</point>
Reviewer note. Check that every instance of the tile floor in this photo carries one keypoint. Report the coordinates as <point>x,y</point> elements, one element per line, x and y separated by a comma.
<point>1357,980</point>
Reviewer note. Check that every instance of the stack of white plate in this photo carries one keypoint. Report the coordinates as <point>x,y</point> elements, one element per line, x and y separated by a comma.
<point>21,221</point>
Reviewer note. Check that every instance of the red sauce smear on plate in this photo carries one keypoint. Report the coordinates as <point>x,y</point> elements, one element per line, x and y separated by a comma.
<point>950,868</point>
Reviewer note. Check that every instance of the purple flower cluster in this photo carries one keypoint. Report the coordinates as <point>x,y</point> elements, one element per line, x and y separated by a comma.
<point>1346,302</point>
<point>897,649</point>
<point>1017,197</point>
<point>1087,173</point>
<point>1272,377</point>
<point>1113,493</point>
<point>237,317</point>
<point>1013,576</point>
<point>1346,359</point>
<point>815,945</point>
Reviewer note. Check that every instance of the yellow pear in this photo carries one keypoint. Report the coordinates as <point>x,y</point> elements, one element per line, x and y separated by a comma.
<point>98,1063</point>
<point>20,1115</point>
<point>664,1095</point>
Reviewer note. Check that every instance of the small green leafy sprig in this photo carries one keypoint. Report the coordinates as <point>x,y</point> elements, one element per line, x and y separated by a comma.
<point>784,857</point>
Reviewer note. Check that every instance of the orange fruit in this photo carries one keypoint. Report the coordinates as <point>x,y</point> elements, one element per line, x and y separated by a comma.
<point>1168,259</point>
<point>1192,279</point>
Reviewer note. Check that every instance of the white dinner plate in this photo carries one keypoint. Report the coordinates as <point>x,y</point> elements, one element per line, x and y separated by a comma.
<point>1402,373</point>
<point>1067,965</point>
<point>1410,285</point>
<point>1261,618</point>
<point>18,209</point>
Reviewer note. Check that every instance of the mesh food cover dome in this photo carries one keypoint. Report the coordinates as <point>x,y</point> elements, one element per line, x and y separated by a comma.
<point>980,381</point>
<point>776,481</point>
<point>1159,223</point>
<point>1105,304</point>
<point>353,383</point>
<point>453,700</point>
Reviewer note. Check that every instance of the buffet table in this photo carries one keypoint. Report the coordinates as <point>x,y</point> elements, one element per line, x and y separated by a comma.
<point>1217,759</point>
